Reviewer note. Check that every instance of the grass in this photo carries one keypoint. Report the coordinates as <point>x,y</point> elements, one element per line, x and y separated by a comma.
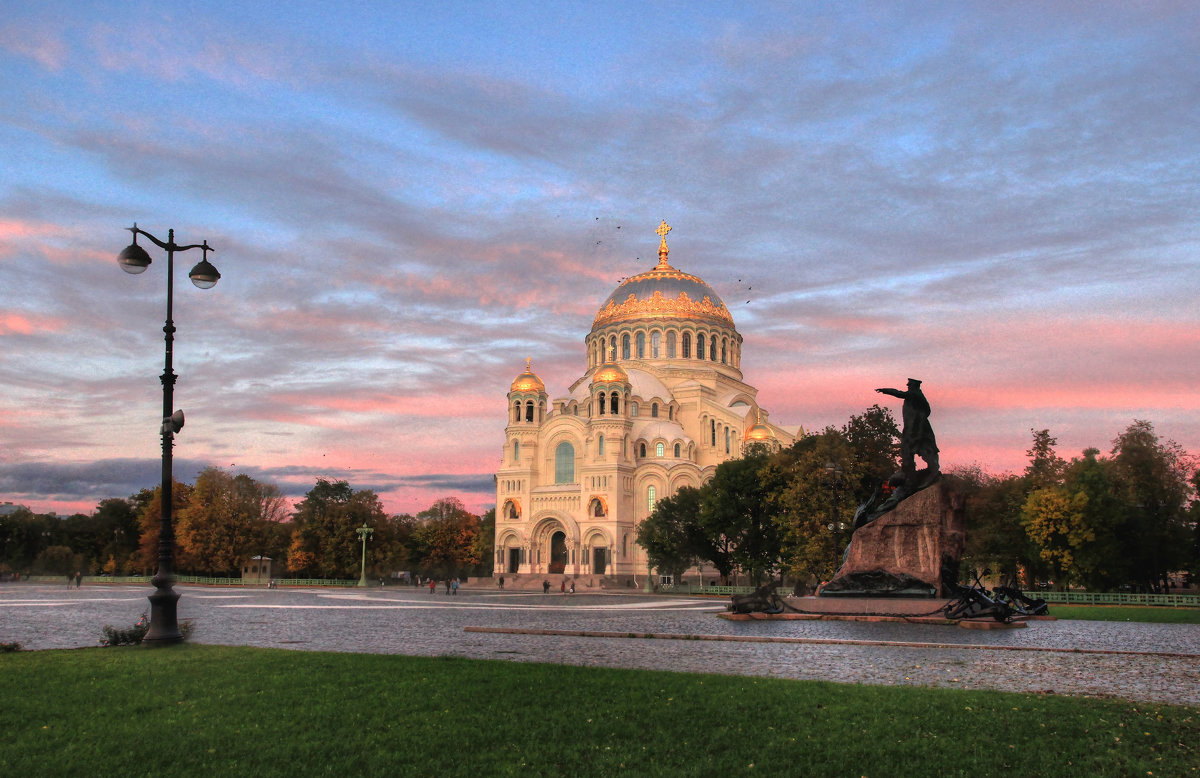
<point>207,710</point>
<point>1154,614</point>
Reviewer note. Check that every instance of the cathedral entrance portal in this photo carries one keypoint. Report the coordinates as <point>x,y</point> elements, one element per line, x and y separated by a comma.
<point>599,560</point>
<point>558,552</point>
<point>514,560</point>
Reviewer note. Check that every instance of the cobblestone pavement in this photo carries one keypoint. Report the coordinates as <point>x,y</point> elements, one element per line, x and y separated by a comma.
<point>412,621</point>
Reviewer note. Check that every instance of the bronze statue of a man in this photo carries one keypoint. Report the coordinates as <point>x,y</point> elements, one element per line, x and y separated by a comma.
<point>917,438</point>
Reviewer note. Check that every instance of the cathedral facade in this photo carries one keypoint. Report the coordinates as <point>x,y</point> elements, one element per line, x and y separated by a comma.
<point>661,403</point>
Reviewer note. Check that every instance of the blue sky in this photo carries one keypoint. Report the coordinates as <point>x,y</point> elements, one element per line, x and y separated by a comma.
<point>408,199</point>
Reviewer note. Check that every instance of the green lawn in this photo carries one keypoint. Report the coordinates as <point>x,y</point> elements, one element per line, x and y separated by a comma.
<point>207,710</point>
<point>1157,614</point>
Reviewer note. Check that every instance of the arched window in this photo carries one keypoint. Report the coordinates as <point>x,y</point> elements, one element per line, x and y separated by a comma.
<point>613,406</point>
<point>723,344</point>
<point>712,424</point>
<point>677,451</point>
<point>601,403</point>
<point>625,346</point>
<point>654,410</point>
<point>655,343</point>
<point>564,463</point>
<point>687,345</point>
<point>726,440</point>
<point>600,446</point>
<point>642,450</point>
<point>516,451</point>
<point>659,450</point>
<point>670,345</point>
<point>671,412</point>
<point>529,411</point>
<point>700,346</point>
<point>651,498</point>
<point>517,411</point>
<point>712,349</point>
<point>612,349</point>
<point>597,508</point>
<point>641,345</point>
<point>633,409</point>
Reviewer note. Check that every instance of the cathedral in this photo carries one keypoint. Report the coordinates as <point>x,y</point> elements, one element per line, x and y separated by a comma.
<point>661,404</point>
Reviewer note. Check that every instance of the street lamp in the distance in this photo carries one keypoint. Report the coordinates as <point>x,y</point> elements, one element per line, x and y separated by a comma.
<point>164,622</point>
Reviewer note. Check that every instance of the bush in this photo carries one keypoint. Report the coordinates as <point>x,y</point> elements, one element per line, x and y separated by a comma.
<point>133,636</point>
<point>7,648</point>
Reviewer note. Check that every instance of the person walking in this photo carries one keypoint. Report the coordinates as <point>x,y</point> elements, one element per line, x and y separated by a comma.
<point>454,587</point>
<point>545,587</point>
<point>502,582</point>
<point>432,585</point>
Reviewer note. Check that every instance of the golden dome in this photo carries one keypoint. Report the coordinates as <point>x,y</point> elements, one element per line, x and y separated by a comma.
<point>663,293</point>
<point>760,431</point>
<point>527,381</point>
<point>610,373</point>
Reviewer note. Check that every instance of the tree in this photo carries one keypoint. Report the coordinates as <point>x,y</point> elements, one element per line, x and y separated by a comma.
<point>672,535</point>
<point>445,539</point>
<point>1152,479</point>
<point>149,504</point>
<point>1045,468</point>
<point>801,491</point>
<point>325,541</point>
<point>873,442</point>
<point>996,538</point>
<point>227,519</point>
<point>735,515</point>
<point>1054,518</point>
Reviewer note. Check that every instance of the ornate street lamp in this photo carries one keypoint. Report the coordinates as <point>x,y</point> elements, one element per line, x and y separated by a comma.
<point>833,481</point>
<point>364,532</point>
<point>164,624</point>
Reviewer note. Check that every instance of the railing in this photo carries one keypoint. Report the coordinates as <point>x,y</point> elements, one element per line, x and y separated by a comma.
<point>1118,598</point>
<point>200,580</point>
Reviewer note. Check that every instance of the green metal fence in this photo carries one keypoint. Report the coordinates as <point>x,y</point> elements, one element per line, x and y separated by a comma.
<point>94,580</point>
<point>1118,598</point>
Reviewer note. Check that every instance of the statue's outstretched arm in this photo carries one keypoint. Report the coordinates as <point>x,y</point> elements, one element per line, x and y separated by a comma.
<point>894,393</point>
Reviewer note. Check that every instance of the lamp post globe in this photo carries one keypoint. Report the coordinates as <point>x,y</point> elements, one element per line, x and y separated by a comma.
<point>164,621</point>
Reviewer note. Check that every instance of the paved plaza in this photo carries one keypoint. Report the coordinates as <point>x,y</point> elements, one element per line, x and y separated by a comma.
<point>1144,662</point>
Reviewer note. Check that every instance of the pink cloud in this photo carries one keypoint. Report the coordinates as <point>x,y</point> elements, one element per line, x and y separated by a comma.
<point>44,48</point>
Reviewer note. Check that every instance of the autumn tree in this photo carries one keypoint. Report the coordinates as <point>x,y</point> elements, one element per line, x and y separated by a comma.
<point>445,539</point>
<point>149,505</point>
<point>227,519</point>
<point>1054,518</point>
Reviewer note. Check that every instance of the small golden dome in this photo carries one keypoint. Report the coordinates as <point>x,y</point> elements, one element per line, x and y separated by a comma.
<point>610,373</point>
<point>527,381</point>
<point>760,431</point>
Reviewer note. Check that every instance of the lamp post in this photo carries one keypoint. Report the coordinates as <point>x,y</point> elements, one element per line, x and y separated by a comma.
<point>364,532</point>
<point>164,624</point>
<point>833,481</point>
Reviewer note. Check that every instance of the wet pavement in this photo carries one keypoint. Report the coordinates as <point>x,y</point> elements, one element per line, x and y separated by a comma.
<point>1164,665</point>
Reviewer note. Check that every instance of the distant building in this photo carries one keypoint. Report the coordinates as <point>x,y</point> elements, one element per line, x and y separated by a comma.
<point>8,509</point>
<point>661,404</point>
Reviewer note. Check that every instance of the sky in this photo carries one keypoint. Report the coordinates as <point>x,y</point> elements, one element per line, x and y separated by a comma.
<point>406,200</point>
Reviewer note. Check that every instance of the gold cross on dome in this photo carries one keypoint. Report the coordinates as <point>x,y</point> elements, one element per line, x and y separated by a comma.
<point>662,231</point>
<point>527,361</point>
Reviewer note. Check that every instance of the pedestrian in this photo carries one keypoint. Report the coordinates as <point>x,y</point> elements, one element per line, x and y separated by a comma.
<point>78,579</point>
<point>501,582</point>
<point>572,589</point>
<point>432,585</point>
<point>545,587</point>
<point>70,580</point>
<point>562,586</point>
<point>447,586</point>
<point>454,588</point>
